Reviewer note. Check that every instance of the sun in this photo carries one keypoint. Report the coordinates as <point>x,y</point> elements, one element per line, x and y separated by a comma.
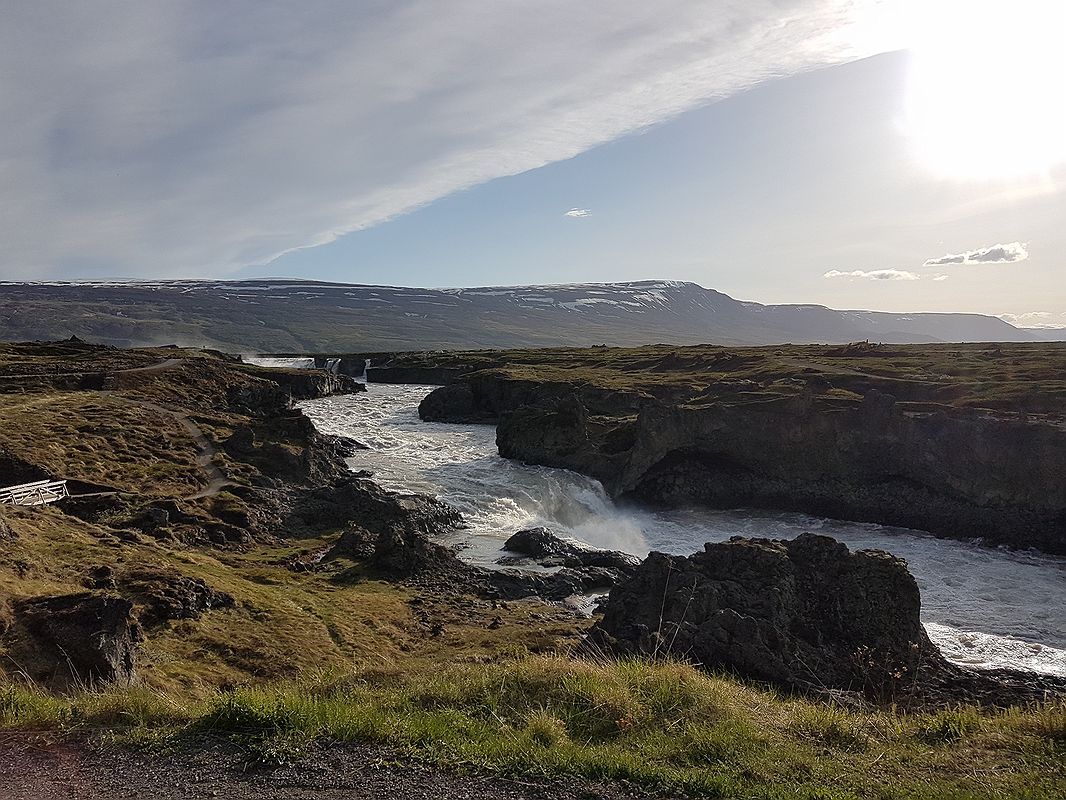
<point>987,87</point>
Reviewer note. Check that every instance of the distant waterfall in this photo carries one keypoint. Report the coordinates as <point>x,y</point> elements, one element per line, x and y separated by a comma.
<point>363,378</point>
<point>332,365</point>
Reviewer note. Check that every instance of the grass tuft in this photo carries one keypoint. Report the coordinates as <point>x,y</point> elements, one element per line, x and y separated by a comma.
<point>949,725</point>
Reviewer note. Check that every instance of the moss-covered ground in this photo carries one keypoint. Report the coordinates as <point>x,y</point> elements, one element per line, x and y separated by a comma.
<point>1002,377</point>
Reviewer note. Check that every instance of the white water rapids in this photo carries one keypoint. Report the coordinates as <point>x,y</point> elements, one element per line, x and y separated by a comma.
<point>982,607</point>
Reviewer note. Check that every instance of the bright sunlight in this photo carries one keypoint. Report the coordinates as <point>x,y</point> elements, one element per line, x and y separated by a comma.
<point>987,94</point>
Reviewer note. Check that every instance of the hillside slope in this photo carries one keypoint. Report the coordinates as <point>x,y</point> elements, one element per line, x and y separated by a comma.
<point>305,316</point>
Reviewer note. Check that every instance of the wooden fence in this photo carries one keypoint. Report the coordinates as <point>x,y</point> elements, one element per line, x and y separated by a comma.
<point>34,494</point>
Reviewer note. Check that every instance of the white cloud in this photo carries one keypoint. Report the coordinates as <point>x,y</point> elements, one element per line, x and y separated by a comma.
<point>162,138</point>
<point>941,277</point>
<point>996,254</point>
<point>874,274</point>
<point>1036,319</point>
<point>578,212</point>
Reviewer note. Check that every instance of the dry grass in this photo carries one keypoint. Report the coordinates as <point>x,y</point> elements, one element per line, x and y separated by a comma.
<point>662,725</point>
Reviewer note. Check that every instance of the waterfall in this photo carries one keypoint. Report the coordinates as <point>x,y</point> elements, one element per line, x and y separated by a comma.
<point>970,600</point>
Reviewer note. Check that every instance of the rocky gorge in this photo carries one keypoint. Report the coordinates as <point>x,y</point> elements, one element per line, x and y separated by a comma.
<point>229,571</point>
<point>837,434</point>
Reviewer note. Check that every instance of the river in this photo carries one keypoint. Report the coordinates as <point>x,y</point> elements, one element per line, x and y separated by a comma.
<point>983,607</point>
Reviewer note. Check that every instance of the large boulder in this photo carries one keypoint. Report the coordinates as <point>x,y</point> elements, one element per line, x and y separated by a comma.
<point>92,638</point>
<point>399,552</point>
<point>804,614</point>
<point>548,549</point>
<point>361,501</point>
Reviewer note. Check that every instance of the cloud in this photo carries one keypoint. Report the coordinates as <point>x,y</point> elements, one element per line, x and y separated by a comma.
<point>578,212</point>
<point>996,254</point>
<point>875,274</point>
<point>159,138</point>
<point>1036,319</point>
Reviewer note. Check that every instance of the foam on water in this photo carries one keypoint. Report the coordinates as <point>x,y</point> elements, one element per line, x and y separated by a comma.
<point>983,607</point>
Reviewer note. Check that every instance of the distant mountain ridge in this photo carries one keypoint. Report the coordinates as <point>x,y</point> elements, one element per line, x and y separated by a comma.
<point>294,315</point>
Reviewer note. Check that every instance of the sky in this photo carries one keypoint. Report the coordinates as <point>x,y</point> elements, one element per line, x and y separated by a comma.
<point>897,155</point>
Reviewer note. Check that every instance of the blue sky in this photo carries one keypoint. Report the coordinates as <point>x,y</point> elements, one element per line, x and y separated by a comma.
<point>777,150</point>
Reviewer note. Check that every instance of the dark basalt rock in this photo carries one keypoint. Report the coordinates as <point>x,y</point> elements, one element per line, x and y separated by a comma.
<point>92,636</point>
<point>362,502</point>
<point>805,614</point>
<point>391,538</point>
<point>549,436</point>
<point>454,403</point>
<point>164,594</point>
<point>546,548</point>
<point>956,472</point>
<point>389,531</point>
<point>399,552</point>
<point>282,388</point>
<point>539,543</point>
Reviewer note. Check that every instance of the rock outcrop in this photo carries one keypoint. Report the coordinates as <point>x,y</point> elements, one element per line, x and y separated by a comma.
<point>454,403</point>
<point>363,503</point>
<point>165,594</point>
<point>93,637</point>
<point>804,614</point>
<point>390,534</point>
<point>547,549</point>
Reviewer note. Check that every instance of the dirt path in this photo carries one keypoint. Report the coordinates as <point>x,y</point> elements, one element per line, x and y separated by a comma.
<point>205,459</point>
<point>166,364</point>
<point>216,481</point>
<point>37,767</point>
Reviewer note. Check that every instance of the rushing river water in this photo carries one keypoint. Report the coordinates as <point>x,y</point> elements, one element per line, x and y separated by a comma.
<point>981,606</point>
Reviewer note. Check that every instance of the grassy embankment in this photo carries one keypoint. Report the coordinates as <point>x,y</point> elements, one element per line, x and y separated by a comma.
<point>309,655</point>
<point>129,436</point>
<point>664,726</point>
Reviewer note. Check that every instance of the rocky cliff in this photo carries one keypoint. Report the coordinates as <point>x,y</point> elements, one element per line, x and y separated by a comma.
<point>962,475</point>
<point>967,469</point>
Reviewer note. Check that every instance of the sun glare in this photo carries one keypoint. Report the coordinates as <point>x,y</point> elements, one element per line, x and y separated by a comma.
<point>987,91</point>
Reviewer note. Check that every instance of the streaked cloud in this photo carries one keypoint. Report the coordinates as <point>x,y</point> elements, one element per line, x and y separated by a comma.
<point>578,212</point>
<point>190,138</point>
<point>996,254</point>
<point>874,275</point>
